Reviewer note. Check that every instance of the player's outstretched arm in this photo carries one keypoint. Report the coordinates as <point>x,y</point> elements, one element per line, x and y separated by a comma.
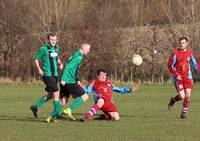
<point>124,90</point>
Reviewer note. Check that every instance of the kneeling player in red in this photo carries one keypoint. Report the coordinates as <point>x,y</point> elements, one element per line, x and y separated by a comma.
<point>102,90</point>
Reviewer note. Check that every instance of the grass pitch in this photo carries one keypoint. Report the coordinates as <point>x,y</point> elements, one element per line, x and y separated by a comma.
<point>144,117</point>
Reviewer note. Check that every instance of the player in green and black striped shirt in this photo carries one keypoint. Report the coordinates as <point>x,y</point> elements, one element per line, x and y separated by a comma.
<point>49,55</point>
<point>70,80</point>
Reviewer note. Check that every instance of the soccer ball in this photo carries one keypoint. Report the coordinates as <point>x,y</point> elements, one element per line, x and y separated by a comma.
<point>137,59</point>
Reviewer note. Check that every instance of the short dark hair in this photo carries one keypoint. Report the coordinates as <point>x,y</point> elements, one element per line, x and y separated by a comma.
<point>100,70</point>
<point>183,38</point>
<point>50,35</point>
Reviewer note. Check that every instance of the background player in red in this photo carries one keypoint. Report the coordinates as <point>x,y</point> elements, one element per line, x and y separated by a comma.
<point>102,90</point>
<point>179,65</point>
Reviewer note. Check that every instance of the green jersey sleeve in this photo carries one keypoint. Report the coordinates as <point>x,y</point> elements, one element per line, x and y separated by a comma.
<point>40,53</point>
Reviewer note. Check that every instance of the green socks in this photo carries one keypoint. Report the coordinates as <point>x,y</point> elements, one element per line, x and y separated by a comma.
<point>40,102</point>
<point>57,108</point>
<point>76,103</point>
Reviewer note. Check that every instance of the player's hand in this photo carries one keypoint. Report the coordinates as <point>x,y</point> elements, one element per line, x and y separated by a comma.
<point>40,72</point>
<point>60,65</point>
<point>135,87</point>
<point>80,84</point>
<point>62,83</point>
<point>179,77</point>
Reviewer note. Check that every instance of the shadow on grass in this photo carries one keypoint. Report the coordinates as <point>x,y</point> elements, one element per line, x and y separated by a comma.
<point>121,115</point>
<point>16,118</point>
<point>101,117</point>
<point>43,120</point>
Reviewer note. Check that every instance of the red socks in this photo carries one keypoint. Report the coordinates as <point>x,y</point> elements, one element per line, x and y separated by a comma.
<point>93,110</point>
<point>186,104</point>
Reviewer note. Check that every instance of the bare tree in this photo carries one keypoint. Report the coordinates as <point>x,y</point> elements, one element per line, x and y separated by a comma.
<point>41,17</point>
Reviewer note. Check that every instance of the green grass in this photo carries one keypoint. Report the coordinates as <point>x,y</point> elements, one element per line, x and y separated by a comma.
<point>144,117</point>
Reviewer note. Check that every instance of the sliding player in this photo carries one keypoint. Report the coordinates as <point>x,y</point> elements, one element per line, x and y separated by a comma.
<point>102,90</point>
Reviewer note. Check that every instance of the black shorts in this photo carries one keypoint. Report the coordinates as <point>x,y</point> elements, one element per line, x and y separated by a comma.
<point>51,83</point>
<point>71,89</point>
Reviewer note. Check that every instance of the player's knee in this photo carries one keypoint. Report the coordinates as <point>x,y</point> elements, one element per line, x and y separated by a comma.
<point>100,102</point>
<point>116,117</point>
<point>64,100</point>
<point>56,95</point>
<point>187,98</point>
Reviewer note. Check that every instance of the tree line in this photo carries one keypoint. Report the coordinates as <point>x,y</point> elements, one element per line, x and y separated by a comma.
<point>116,29</point>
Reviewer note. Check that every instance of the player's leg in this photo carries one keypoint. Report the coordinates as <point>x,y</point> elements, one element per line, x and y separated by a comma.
<point>43,100</point>
<point>186,103</point>
<point>75,104</point>
<point>39,103</point>
<point>94,109</point>
<point>57,107</point>
<point>114,115</point>
<point>64,100</point>
<point>80,97</point>
<point>64,95</point>
<point>53,89</point>
<point>78,101</point>
<point>110,111</point>
<point>34,108</point>
<point>181,94</point>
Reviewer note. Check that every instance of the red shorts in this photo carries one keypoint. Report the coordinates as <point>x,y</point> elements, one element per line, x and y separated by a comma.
<point>108,106</point>
<point>183,84</point>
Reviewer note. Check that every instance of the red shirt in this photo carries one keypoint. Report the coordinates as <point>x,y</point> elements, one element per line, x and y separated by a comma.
<point>180,63</point>
<point>103,88</point>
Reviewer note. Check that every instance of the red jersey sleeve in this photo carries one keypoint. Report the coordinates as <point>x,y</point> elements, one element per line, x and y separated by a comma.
<point>172,64</point>
<point>195,62</point>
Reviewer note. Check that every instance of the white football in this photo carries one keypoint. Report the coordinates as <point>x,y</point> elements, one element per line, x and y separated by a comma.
<point>137,59</point>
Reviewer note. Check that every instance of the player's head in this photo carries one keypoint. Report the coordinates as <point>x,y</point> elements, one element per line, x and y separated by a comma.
<point>52,38</point>
<point>183,43</point>
<point>85,48</point>
<point>102,76</point>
